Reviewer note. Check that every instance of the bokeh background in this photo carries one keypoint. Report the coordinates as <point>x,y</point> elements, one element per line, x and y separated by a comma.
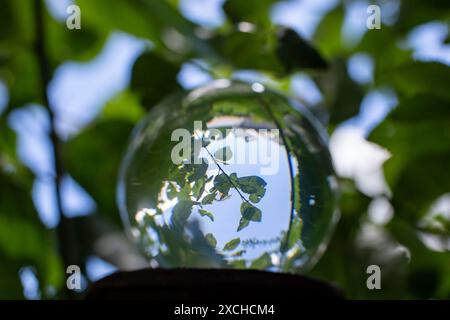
<point>69,99</point>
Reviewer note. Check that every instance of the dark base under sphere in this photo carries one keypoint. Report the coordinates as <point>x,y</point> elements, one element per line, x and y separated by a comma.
<point>210,285</point>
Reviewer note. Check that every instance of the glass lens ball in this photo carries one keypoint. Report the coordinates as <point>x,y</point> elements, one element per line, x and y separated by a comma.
<point>230,175</point>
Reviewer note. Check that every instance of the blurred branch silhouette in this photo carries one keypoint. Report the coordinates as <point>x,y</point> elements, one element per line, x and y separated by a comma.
<point>65,232</point>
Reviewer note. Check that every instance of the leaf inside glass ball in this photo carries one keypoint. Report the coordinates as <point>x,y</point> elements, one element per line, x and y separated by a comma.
<point>232,189</point>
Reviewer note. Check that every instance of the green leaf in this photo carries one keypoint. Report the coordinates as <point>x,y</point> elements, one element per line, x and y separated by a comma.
<point>21,75</point>
<point>416,78</point>
<point>172,191</point>
<point>153,78</point>
<point>232,244</point>
<point>19,68</point>
<point>222,184</point>
<point>419,183</point>
<point>224,196</point>
<point>223,154</point>
<point>383,48</point>
<point>93,159</point>
<point>243,223</point>
<point>78,45</point>
<point>181,212</point>
<point>253,185</point>
<point>416,12</point>
<point>296,232</point>
<point>10,163</point>
<point>262,262</point>
<point>143,19</point>
<point>211,240</point>
<point>199,188</point>
<point>417,133</point>
<point>209,198</point>
<point>185,192</point>
<point>130,16</point>
<point>16,24</point>
<point>250,212</point>
<point>343,95</point>
<point>238,264</point>
<point>199,170</point>
<point>328,34</point>
<point>255,11</point>
<point>206,213</point>
<point>23,239</point>
<point>178,174</point>
<point>422,121</point>
<point>239,253</point>
<point>250,50</point>
<point>11,286</point>
<point>254,198</point>
<point>124,106</point>
<point>296,53</point>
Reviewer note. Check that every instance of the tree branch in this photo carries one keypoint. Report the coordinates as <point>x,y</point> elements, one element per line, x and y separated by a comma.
<point>65,234</point>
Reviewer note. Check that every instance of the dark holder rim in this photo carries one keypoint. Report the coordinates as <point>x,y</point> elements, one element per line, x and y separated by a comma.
<point>207,285</point>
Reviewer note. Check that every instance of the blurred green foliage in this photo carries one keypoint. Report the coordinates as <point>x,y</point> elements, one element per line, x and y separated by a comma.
<point>416,132</point>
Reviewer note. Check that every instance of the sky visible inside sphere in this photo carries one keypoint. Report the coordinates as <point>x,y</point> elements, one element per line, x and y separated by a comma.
<point>275,205</point>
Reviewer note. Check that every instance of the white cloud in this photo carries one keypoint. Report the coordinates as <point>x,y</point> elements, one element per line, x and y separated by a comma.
<point>355,157</point>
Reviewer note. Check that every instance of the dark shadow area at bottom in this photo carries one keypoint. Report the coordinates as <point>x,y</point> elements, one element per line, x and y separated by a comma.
<point>208,285</point>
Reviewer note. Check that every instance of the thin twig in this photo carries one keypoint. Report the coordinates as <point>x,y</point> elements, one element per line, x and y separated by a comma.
<point>226,175</point>
<point>291,171</point>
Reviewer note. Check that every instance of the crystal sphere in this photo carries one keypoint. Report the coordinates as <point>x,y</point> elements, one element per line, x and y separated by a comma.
<point>229,175</point>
